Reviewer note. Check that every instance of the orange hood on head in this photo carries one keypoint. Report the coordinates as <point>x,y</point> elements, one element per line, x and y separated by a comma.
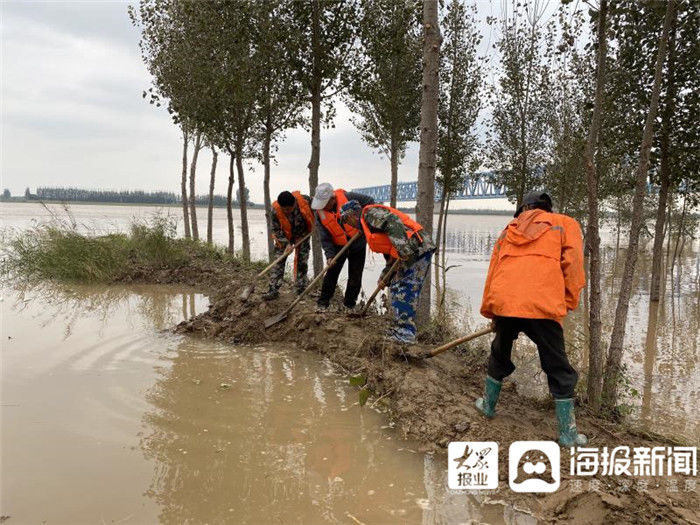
<point>530,225</point>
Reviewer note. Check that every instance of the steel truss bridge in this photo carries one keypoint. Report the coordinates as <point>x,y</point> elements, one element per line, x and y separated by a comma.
<point>477,187</point>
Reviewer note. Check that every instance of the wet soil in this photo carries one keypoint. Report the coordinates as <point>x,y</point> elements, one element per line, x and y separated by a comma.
<point>431,401</point>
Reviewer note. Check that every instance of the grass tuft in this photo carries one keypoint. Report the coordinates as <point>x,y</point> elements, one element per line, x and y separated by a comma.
<point>57,250</point>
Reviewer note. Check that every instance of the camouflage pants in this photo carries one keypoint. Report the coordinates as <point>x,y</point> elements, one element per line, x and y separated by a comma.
<point>404,299</point>
<point>301,267</point>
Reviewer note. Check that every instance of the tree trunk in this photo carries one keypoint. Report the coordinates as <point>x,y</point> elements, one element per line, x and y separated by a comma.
<point>595,350</point>
<point>443,253</point>
<point>665,172</point>
<point>443,197</point>
<point>667,257</point>
<point>614,361</point>
<point>681,227</point>
<point>229,201</point>
<point>649,360</point>
<point>425,201</point>
<point>315,160</point>
<point>266,189</point>
<point>394,159</point>
<point>210,211</point>
<point>245,237</point>
<point>193,195</point>
<point>183,185</point>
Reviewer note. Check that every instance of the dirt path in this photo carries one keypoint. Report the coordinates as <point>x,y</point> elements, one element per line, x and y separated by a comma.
<point>431,401</point>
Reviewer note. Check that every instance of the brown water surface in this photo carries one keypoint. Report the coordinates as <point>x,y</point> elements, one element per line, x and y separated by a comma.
<point>107,418</point>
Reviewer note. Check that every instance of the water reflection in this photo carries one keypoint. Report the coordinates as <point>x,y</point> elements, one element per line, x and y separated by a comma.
<point>147,306</point>
<point>229,434</point>
<point>75,363</point>
<point>266,435</point>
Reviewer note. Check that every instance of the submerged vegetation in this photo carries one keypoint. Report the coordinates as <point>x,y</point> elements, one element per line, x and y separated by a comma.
<point>59,250</point>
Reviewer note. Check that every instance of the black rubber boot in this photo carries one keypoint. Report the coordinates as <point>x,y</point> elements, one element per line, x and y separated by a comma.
<point>271,295</point>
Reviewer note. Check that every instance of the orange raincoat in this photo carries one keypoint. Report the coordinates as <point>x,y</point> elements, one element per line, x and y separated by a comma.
<point>536,269</point>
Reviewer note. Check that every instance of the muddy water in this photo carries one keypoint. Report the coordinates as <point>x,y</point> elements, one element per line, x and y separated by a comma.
<point>661,344</point>
<point>106,418</point>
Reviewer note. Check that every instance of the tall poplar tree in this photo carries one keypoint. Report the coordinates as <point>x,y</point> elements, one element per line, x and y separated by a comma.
<point>328,32</point>
<point>385,90</point>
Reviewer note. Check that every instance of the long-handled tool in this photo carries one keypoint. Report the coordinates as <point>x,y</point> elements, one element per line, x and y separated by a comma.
<point>379,287</point>
<point>245,294</point>
<point>457,342</point>
<point>270,321</point>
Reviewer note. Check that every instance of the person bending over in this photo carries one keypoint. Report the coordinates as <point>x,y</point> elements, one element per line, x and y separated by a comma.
<point>393,233</point>
<point>334,236</point>
<point>292,218</point>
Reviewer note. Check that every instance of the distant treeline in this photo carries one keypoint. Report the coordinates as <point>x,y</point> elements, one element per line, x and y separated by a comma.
<point>126,196</point>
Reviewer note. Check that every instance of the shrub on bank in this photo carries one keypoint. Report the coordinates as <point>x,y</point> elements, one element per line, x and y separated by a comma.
<point>57,250</point>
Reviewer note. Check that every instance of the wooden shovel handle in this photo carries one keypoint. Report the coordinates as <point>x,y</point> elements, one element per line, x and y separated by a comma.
<point>273,263</point>
<point>378,288</point>
<point>457,342</point>
<point>320,275</point>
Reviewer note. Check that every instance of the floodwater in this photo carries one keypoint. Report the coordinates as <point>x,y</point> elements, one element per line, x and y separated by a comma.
<point>661,344</point>
<point>109,418</point>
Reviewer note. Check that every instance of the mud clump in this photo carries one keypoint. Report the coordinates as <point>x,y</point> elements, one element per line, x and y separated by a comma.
<point>432,401</point>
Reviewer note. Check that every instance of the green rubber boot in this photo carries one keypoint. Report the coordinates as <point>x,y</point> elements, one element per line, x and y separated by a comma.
<point>568,436</point>
<point>487,404</point>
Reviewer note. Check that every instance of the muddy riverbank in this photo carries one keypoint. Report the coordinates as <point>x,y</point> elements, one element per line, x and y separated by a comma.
<point>431,401</point>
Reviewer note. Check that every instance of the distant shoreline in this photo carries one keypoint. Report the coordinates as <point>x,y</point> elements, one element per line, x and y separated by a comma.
<point>99,203</point>
<point>250,206</point>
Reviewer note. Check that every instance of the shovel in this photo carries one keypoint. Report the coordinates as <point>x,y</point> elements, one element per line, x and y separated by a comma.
<point>271,321</point>
<point>457,342</point>
<point>391,271</point>
<point>249,289</point>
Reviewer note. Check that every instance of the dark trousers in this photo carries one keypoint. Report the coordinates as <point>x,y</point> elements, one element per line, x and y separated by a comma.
<point>549,338</point>
<point>356,265</point>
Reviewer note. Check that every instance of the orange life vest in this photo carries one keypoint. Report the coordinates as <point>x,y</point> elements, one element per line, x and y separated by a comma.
<point>305,210</point>
<point>331,221</point>
<point>379,242</point>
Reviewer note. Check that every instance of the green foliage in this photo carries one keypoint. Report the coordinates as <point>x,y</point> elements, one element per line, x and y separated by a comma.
<point>281,96</point>
<point>58,250</point>
<point>326,31</point>
<point>385,87</point>
<point>204,65</point>
<point>518,136</point>
<point>635,31</point>
<point>358,380</point>
<point>363,396</point>
<point>571,81</point>
<point>52,253</point>
<point>461,74</point>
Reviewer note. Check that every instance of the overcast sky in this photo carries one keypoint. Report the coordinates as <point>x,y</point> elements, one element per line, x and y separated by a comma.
<point>72,112</point>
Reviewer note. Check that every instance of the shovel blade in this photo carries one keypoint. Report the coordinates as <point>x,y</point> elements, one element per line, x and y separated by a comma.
<point>245,294</point>
<point>271,321</point>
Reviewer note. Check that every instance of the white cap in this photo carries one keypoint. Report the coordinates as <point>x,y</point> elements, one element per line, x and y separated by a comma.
<point>324,192</point>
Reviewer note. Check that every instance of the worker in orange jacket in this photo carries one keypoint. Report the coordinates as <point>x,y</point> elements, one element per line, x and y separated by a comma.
<point>291,220</point>
<point>535,278</point>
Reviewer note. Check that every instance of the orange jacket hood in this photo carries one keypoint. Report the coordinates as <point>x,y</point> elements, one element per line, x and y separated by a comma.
<point>528,227</point>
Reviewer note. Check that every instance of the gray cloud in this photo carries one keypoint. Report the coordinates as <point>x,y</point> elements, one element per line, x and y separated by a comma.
<point>72,113</point>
